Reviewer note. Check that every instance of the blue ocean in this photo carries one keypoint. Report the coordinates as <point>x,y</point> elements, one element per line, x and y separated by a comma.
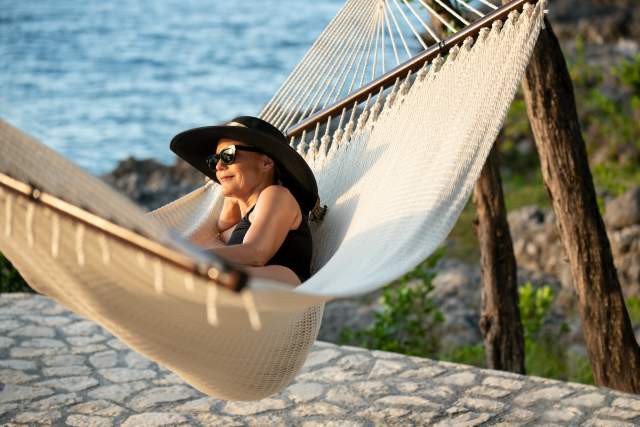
<point>99,81</point>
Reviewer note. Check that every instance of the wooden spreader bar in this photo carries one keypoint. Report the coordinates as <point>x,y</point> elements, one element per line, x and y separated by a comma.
<point>220,273</point>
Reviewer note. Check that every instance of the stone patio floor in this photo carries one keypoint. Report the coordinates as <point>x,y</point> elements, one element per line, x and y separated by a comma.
<point>59,369</point>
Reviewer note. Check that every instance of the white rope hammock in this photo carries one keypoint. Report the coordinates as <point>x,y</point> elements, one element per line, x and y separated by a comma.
<point>395,173</point>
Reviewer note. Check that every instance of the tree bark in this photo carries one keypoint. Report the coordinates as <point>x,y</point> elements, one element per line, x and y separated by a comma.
<point>611,345</point>
<point>500,318</point>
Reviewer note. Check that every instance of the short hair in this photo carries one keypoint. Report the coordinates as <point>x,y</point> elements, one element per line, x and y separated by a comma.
<point>276,174</point>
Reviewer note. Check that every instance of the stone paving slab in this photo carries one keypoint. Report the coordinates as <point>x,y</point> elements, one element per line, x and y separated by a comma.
<point>59,369</point>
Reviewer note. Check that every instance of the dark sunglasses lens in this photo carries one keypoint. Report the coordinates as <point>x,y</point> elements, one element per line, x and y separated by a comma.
<point>211,161</point>
<point>227,157</point>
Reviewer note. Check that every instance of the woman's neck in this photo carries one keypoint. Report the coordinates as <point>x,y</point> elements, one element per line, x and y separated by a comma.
<point>246,203</point>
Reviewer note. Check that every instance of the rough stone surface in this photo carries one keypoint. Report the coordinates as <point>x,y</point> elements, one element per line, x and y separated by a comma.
<point>623,211</point>
<point>71,383</point>
<point>6,342</point>
<point>88,421</point>
<point>152,397</point>
<point>123,375</point>
<point>538,249</point>
<point>152,419</point>
<point>341,386</point>
<point>308,391</point>
<point>67,360</point>
<point>98,407</point>
<point>56,401</point>
<point>104,359</point>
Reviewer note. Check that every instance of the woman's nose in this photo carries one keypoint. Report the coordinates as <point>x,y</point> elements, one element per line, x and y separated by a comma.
<point>220,166</point>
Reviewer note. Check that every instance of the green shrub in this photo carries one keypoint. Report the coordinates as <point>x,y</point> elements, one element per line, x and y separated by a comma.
<point>633,308</point>
<point>467,354</point>
<point>609,119</point>
<point>546,354</point>
<point>10,279</point>
<point>408,316</point>
<point>534,305</point>
<point>408,319</point>
<point>629,74</point>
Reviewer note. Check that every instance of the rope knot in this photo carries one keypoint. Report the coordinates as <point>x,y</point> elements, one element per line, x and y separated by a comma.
<point>318,212</point>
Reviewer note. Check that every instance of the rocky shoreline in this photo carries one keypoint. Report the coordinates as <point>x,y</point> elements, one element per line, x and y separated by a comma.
<point>152,184</point>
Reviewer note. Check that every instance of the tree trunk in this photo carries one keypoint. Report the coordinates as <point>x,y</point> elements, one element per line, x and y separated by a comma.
<point>611,345</point>
<point>500,319</point>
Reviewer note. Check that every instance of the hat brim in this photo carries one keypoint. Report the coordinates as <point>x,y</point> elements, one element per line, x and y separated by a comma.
<point>195,145</point>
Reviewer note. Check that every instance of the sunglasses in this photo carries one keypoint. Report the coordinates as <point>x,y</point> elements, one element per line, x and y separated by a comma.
<point>228,155</point>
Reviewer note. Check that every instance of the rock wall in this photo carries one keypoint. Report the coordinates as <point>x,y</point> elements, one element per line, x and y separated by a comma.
<point>538,248</point>
<point>596,21</point>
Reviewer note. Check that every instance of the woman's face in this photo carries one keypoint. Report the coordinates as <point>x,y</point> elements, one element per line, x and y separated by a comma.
<point>246,174</point>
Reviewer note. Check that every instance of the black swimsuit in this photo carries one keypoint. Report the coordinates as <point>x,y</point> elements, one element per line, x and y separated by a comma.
<point>295,251</point>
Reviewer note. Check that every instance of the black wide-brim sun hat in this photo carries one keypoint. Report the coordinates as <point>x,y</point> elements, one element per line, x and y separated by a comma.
<point>196,145</point>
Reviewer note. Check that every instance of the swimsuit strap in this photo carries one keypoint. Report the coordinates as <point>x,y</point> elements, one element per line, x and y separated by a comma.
<point>249,212</point>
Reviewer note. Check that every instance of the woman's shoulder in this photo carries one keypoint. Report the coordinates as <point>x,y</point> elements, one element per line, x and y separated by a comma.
<point>277,199</point>
<point>277,193</point>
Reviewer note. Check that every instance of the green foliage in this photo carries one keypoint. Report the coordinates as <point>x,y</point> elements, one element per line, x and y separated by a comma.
<point>633,308</point>
<point>545,352</point>
<point>534,305</point>
<point>519,190</point>
<point>629,74</point>
<point>616,179</point>
<point>468,354</point>
<point>522,190</point>
<point>518,156</point>
<point>10,279</point>
<point>608,104</point>
<point>408,315</point>
<point>462,240</point>
<point>547,358</point>
<point>409,318</point>
<point>582,74</point>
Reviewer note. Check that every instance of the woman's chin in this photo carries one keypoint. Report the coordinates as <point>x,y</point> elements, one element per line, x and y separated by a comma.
<point>227,191</point>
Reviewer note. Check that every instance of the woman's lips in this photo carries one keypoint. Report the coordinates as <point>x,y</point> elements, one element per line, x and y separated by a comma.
<point>225,178</point>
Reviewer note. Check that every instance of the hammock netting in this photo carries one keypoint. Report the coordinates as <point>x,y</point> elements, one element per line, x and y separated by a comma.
<point>394,170</point>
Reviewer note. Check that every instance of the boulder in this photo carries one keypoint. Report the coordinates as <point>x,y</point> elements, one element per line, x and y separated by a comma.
<point>623,211</point>
<point>151,183</point>
<point>539,250</point>
<point>596,21</point>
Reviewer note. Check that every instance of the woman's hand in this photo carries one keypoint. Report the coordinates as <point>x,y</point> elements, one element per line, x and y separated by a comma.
<point>206,238</point>
<point>215,243</point>
<point>230,214</point>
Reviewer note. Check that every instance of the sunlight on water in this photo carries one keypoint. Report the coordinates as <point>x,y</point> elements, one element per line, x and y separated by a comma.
<point>100,81</point>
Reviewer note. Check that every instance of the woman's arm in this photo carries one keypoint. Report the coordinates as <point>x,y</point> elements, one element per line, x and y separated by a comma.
<point>276,213</point>
<point>230,214</point>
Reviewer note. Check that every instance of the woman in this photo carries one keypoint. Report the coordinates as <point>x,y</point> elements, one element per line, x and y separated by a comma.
<point>268,192</point>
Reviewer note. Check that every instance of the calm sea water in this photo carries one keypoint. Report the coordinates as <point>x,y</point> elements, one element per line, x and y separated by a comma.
<point>99,81</point>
